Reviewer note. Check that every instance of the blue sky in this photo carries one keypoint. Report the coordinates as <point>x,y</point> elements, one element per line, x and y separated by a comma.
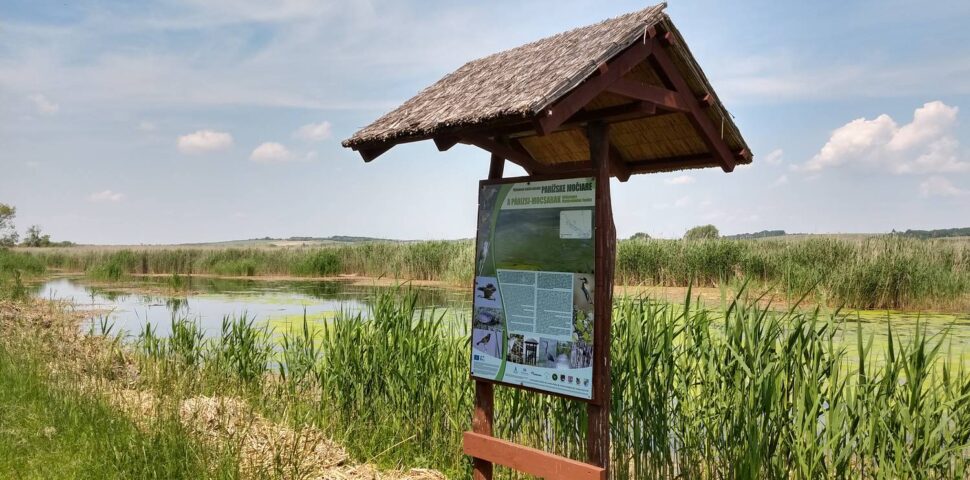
<point>201,120</point>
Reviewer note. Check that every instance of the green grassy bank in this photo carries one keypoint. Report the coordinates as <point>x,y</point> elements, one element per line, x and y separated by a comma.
<point>47,431</point>
<point>877,272</point>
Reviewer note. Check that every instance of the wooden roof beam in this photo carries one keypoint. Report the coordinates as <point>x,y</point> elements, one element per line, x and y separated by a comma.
<point>618,165</point>
<point>550,119</point>
<point>370,153</point>
<point>659,97</point>
<point>445,143</point>
<point>697,114</point>
<point>616,113</point>
<point>673,163</point>
<point>511,151</point>
<point>678,162</point>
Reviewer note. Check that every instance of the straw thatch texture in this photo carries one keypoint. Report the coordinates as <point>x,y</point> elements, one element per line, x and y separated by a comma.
<point>514,83</point>
<point>511,87</point>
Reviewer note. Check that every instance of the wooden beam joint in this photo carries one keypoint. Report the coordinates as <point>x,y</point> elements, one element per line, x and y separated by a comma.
<point>659,97</point>
<point>510,150</point>
<point>371,153</point>
<point>579,97</point>
<point>697,115</point>
<point>445,143</point>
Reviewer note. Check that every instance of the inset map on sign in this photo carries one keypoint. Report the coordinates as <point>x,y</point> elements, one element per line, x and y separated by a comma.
<point>576,224</point>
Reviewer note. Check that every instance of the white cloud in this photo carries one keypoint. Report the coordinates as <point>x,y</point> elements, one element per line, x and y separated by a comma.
<point>204,141</point>
<point>925,145</point>
<point>314,132</point>
<point>106,196</point>
<point>682,202</point>
<point>940,187</point>
<point>782,180</point>
<point>270,152</point>
<point>775,157</point>
<point>43,105</point>
<point>681,180</point>
<point>146,126</point>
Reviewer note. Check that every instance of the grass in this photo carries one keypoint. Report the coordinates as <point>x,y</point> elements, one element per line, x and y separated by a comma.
<point>746,393</point>
<point>47,431</point>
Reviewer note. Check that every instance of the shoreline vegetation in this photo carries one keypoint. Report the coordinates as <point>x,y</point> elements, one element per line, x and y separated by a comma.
<point>881,272</point>
<point>747,393</point>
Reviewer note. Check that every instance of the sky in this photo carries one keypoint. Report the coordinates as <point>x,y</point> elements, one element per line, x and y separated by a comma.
<point>172,121</point>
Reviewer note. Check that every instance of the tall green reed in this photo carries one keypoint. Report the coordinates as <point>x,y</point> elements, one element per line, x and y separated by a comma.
<point>748,392</point>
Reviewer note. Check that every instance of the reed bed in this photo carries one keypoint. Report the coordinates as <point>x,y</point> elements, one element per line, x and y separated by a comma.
<point>877,272</point>
<point>745,393</point>
<point>884,272</point>
<point>449,261</point>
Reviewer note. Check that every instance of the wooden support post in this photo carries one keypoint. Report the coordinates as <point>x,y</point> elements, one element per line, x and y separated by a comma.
<point>598,439</point>
<point>496,168</point>
<point>484,415</point>
<point>482,424</point>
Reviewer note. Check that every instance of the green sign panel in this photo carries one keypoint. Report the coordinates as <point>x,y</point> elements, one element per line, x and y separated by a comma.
<point>532,321</point>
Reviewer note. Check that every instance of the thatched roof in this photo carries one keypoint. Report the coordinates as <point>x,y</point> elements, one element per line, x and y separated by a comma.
<point>521,84</point>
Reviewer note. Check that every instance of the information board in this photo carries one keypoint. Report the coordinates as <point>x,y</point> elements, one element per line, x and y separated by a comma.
<point>532,319</point>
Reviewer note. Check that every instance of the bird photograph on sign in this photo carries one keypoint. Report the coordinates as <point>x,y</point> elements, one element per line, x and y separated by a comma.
<point>413,240</point>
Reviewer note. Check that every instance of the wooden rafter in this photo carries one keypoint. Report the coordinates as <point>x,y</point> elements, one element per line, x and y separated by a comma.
<point>697,115</point>
<point>618,165</point>
<point>670,163</point>
<point>659,97</point>
<point>580,96</point>
<point>510,150</point>
<point>444,143</point>
<point>369,154</point>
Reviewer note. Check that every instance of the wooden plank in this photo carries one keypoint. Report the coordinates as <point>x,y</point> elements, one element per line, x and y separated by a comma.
<point>529,460</point>
<point>580,96</point>
<point>661,97</point>
<point>598,411</point>
<point>698,117</point>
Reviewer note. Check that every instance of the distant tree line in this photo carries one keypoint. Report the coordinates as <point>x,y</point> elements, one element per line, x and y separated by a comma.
<point>941,233</point>
<point>761,234</point>
<point>34,237</point>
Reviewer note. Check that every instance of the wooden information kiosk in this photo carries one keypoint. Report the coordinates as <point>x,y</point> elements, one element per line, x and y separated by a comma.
<point>614,99</point>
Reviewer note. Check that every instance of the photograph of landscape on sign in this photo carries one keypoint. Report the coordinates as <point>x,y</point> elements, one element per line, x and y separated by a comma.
<point>533,299</point>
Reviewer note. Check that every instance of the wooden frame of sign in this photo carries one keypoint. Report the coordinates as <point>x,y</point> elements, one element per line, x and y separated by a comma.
<point>479,443</point>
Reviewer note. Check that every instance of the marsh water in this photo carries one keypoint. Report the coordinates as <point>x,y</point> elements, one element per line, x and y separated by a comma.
<point>129,305</point>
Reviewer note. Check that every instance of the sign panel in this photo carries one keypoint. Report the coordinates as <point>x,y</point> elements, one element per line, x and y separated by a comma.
<point>532,321</point>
